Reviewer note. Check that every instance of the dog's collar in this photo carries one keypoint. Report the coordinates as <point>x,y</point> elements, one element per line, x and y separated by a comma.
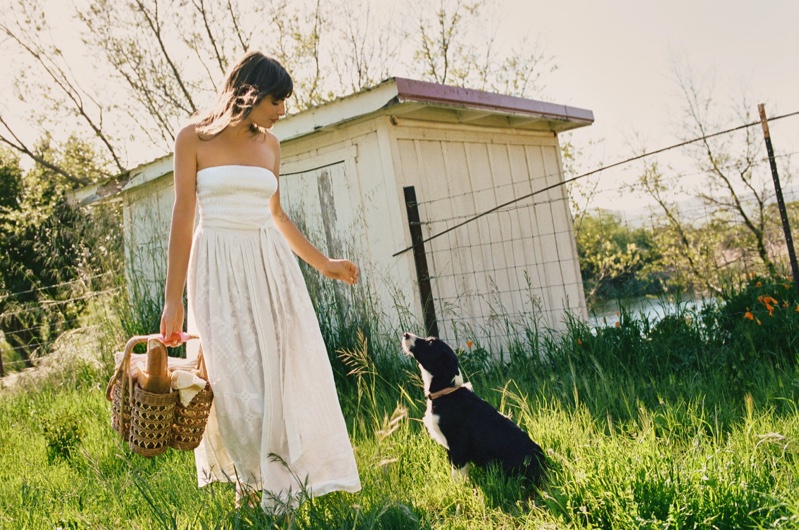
<point>443,392</point>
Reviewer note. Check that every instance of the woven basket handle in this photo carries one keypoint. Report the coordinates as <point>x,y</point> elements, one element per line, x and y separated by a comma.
<point>124,365</point>
<point>201,368</point>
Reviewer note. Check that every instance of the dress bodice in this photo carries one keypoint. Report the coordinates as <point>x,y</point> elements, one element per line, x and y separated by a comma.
<point>235,197</point>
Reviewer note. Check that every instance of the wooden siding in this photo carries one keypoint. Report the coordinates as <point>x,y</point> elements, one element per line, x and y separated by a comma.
<point>508,262</point>
<point>147,213</point>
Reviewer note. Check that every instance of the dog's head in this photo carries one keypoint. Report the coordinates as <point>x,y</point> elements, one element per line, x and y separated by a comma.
<point>437,361</point>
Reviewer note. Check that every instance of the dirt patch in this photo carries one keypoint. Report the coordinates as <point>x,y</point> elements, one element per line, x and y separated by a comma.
<point>83,347</point>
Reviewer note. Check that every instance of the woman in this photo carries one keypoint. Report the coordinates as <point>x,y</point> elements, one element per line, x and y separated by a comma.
<point>276,425</point>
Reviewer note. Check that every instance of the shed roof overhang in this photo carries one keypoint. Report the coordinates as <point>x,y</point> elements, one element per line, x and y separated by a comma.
<point>396,96</point>
<point>423,100</point>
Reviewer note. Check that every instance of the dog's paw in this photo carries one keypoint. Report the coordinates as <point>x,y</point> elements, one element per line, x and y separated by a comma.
<point>460,474</point>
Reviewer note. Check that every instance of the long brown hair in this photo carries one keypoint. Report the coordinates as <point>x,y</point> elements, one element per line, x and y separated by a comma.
<point>247,82</point>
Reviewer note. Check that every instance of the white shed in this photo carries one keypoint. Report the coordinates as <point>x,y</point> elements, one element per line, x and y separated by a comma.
<point>349,170</point>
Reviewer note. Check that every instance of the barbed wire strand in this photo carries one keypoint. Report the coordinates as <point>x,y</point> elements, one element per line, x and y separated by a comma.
<point>592,172</point>
<point>616,189</point>
<point>46,287</point>
<point>50,303</point>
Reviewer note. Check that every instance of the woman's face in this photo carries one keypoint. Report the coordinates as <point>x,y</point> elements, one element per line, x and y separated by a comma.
<point>266,113</point>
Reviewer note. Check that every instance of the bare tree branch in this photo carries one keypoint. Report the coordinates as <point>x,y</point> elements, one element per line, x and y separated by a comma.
<point>155,27</point>
<point>68,87</point>
<point>20,146</point>
<point>234,18</point>
<point>218,52</point>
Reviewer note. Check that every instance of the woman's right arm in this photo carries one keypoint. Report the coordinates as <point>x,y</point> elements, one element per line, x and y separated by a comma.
<point>180,232</point>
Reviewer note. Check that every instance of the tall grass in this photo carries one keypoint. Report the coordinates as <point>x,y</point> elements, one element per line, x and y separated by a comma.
<point>690,421</point>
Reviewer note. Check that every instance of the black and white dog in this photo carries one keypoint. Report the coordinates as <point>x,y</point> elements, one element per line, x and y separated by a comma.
<point>472,430</point>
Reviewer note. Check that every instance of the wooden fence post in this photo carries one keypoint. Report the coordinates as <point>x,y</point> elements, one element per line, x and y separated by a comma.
<point>420,260</point>
<point>786,227</point>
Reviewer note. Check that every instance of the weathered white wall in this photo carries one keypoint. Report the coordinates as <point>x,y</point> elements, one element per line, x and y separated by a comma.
<point>147,213</point>
<point>339,186</point>
<point>509,263</point>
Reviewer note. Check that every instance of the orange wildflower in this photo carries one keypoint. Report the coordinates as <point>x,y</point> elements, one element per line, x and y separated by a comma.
<point>750,316</point>
<point>618,324</point>
<point>758,284</point>
<point>769,302</point>
<point>469,343</point>
<point>580,342</point>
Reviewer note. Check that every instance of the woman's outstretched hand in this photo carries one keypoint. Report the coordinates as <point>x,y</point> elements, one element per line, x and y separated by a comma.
<point>172,321</point>
<point>342,269</point>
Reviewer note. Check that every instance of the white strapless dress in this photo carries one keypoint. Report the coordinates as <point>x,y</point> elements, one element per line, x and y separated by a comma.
<point>276,423</point>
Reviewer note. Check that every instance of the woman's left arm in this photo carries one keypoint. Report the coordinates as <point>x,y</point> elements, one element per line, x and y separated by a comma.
<point>337,269</point>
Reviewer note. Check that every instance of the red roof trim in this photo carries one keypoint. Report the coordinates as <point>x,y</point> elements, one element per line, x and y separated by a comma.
<point>423,91</point>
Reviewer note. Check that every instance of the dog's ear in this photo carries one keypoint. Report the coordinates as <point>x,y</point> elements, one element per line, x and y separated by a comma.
<point>451,363</point>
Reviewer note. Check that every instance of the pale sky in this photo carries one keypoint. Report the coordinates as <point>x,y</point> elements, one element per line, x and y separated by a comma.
<point>616,58</point>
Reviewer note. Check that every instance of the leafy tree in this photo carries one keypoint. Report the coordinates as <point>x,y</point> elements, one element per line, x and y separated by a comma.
<point>732,183</point>
<point>50,251</point>
<point>613,257</point>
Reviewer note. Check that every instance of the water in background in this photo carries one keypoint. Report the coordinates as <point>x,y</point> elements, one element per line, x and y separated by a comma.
<point>606,313</point>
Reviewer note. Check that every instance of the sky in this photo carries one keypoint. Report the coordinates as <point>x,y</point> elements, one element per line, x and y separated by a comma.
<point>617,58</point>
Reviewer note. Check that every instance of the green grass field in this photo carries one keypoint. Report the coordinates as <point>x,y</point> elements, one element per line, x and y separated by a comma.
<point>690,422</point>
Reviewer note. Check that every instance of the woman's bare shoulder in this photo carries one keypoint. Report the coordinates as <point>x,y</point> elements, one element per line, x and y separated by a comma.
<point>269,138</point>
<point>188,135</point>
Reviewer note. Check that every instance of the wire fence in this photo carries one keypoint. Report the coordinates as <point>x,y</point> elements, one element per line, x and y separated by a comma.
<point>519,245</point>
<point>31,320</point>
<point>516,250</point>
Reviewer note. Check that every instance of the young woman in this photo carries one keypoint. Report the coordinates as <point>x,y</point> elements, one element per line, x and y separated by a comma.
<point>276,425</point>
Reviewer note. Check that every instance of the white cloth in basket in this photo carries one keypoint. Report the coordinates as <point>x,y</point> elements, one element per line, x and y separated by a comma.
<point>188,385</point>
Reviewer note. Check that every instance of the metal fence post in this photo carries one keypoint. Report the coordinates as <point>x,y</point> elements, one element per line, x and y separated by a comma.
<point>420,260</point>
<point>786,227</point>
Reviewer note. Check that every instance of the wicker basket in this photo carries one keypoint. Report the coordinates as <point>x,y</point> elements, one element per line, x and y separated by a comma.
<point>152,422</point>
<point>120,412</point>
<point>190,421</point>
